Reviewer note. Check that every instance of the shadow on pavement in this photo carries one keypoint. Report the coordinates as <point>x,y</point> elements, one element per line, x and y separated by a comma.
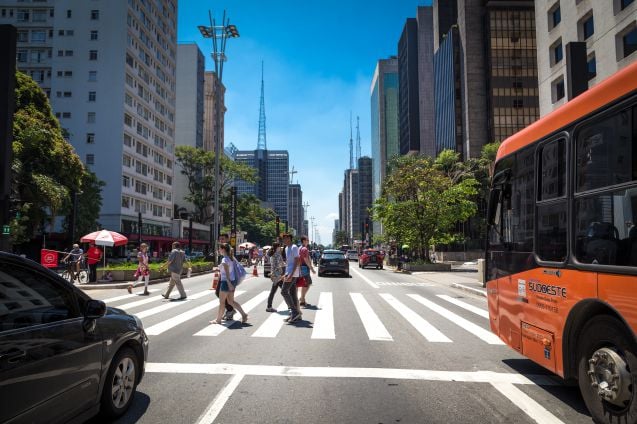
<point>140,405</point>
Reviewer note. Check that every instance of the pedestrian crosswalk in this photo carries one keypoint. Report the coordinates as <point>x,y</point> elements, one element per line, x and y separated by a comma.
<point>374,311</point>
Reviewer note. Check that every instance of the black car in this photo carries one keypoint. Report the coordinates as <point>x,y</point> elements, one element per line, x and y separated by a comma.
<point>64,357</point>
<point>333,261</point>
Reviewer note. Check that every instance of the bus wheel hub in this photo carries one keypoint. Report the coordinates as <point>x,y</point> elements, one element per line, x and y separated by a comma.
<point>610,376</point>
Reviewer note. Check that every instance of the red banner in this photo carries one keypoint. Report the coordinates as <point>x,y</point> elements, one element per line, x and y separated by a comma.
<point>49,258</point>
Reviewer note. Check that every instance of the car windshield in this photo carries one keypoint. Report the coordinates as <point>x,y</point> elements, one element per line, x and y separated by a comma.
<point>330,256</point>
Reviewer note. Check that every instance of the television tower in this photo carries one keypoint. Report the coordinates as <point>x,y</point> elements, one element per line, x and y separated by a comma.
<point>261,143</point>
<point>351,144</point>
<point>358,140</point>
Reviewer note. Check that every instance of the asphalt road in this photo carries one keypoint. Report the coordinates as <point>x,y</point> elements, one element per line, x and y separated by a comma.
<point>379,347</point>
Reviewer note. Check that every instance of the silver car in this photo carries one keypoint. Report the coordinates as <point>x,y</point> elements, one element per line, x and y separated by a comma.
<point>352,255</point>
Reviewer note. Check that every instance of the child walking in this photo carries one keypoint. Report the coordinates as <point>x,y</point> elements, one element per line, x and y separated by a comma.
<point>143,272</point>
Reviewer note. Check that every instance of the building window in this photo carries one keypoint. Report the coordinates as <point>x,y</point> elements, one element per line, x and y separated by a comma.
<point>557,53</point>
<point>128,120</point>
<point>91,96</point>
<point>66,115</point>
<point>95,15</point>
<point>125,202</point>
<point>38,36</point>
<point>125,181</point>
<point>591,66</point>
<point>587,27</point>
<point>90,138</point>
<point>90,117</point>
<point>23,56</point>
<point>629,42</point>
<point>623,4</point>
<point>23,36</point>
<point>69,13</point>
<point>90,159</point>
<point>92,75</point>
<point>68,94</point>
<point>68,53</point>
<point>518,103</point>
<point>39,16</point>
<point>23,16</point>
<point>557,89</point>
<point>555,16</point>
<point>68,74</point>
<point>93,35</point>
<point>92,55</point>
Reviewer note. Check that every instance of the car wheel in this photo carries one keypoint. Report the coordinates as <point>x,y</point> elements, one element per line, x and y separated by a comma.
<point>121,383</point>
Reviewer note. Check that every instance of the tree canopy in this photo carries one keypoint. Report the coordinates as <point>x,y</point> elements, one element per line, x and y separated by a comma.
<point>258,222</point>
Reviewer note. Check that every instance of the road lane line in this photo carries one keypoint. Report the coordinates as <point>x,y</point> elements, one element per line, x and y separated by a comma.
<point>324,319</point>
<point>126,296</point>
<point>367,280</point>
<point>479,311</point>
<point>474,329</point>
<point>220,400</point>
<point>170,305</point>
<point>520,399</point>
<point>373,325</point>
<point>166,325</point>
<point>351,372</point>
<point>274,323</point>
<point>428,331</point>
<point>216,329</point>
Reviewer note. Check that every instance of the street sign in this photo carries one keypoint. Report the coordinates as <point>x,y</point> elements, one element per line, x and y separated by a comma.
<point>6,230</point>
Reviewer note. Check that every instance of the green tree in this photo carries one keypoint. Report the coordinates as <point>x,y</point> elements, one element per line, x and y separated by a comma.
<point>198,166</point>
<point>340,238</point>
<point>89,204</point>
<point>45,166</point>
<point>421,203</point>
<point>258,222</point>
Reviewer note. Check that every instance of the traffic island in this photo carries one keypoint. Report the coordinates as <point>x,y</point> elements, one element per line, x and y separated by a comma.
<point>437,267</point>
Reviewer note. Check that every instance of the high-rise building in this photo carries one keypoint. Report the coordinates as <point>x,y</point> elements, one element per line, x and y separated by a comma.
<point>384,119</point>
<point>114,93</point>
<point>365,193</point>
<point>189,112</point>
<point>580,43</point>
<point>212,89</point>
<point>416,88</point>
<point>485,72</point>
<point>295,208</point>
<point>356,199</point>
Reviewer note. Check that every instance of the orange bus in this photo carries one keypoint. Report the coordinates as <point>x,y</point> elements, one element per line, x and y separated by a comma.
<point>561,259</point>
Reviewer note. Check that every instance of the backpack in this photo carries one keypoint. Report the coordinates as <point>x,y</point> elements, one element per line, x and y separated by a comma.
<point>239,272</point>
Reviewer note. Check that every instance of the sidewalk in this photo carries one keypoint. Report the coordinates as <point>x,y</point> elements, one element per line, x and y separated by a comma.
<point>102,285</point>
<point>463,276</point>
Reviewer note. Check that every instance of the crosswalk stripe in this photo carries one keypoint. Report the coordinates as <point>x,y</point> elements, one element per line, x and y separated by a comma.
<point>170,305</point>
<point>144,301</point>
<point>216,329</point>
<point>166,325</point>
<point>125,296</point>
<point>274,323</point>
<point>367,280</point>
<point>523,401</point>
<point>428,331</point>
<point>324,319</point>
<point>483,313</point>
<point>373,325</point>
<point>478,331</point>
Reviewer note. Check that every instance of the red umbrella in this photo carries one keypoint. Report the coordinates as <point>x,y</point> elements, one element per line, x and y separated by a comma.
<point>105,238</point>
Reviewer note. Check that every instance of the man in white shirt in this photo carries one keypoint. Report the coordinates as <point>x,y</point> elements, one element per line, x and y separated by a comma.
<point>292,273</point>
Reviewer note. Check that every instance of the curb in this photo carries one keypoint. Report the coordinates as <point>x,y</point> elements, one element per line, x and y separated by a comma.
<point>479,292</point>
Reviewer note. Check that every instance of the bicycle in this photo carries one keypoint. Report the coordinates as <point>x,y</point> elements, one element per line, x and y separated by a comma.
<point>71,275</point>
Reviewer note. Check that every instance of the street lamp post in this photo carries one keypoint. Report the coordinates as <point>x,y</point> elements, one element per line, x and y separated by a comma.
<point>219,35</point>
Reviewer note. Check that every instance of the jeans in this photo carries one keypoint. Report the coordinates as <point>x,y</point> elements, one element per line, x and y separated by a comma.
<point>273,292</point>
<point>288,291</point>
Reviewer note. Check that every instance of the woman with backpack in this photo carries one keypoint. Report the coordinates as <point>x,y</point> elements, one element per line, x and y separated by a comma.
<point>228,283</point>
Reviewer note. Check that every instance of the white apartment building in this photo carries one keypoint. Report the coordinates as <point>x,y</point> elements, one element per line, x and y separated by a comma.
<point>609,29</point>
<point>109,68</point>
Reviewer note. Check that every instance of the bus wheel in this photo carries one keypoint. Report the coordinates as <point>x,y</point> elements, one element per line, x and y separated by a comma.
<point>607,370</point>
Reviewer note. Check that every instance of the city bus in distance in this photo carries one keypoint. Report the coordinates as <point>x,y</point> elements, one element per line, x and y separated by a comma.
<point>561,259</point>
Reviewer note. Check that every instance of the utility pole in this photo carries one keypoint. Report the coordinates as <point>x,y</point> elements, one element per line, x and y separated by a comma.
<point>305,206</point>
<point>358,140</point>
<point>312,220</point>
<point>292,172</point>
<point>8,40</point>
<point>351,144</point>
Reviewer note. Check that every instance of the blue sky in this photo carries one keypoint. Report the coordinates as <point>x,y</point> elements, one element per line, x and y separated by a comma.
<point>319,61</point>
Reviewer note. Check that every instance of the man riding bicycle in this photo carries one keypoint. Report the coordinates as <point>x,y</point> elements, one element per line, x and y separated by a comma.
<point>75,256</point>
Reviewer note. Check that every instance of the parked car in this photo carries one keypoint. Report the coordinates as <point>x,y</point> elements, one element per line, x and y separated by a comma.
<point>333,261</point>
<point>352,255</point>
<point>64,357</point>
<point>371,257</point>
<point>195,255</point>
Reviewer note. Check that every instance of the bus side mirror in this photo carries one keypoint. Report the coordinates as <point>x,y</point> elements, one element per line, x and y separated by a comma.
<point>494,200</point>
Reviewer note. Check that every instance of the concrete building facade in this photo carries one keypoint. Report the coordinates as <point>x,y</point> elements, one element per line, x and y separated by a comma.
<point>295,209</point>
<point>607,28</point>
<point>114,93</point>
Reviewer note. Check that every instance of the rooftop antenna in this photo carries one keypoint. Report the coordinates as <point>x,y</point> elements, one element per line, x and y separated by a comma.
<point>358,140</point>
<point>261,143</point>
<point>292,172</point>
<point>351,143</point>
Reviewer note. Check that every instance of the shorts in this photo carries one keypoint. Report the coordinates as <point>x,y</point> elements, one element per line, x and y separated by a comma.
<point>308,279</point>
<point>224,286</point>
<point>301,282</point>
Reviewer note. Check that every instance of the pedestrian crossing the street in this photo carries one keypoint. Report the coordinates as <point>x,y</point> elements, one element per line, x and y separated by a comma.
<point>416,311</point>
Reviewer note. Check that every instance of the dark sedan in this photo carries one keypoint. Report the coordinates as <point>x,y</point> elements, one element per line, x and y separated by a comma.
<point>64,357</point>
<point>333,261</point>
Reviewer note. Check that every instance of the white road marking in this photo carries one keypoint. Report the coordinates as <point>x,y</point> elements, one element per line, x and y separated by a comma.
<point>482,312</point>
<point>373,325</point>
<point>166,325</point>
<point>520,399</point>
<point>125,296</point>
<point>324,319</point>
<point>272,325</point>
<point>169,305</point>
<point>144,301</point>
<point>405,284</point>
<point>350,372</point>
<point>476,330</point>
<point>367,280</point>
<point>220,400</point>
<point>428,331</point>
<point>216,329</point>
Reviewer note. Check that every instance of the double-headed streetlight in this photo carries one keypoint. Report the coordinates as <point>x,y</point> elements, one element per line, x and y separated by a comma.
<point>219,35</point>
